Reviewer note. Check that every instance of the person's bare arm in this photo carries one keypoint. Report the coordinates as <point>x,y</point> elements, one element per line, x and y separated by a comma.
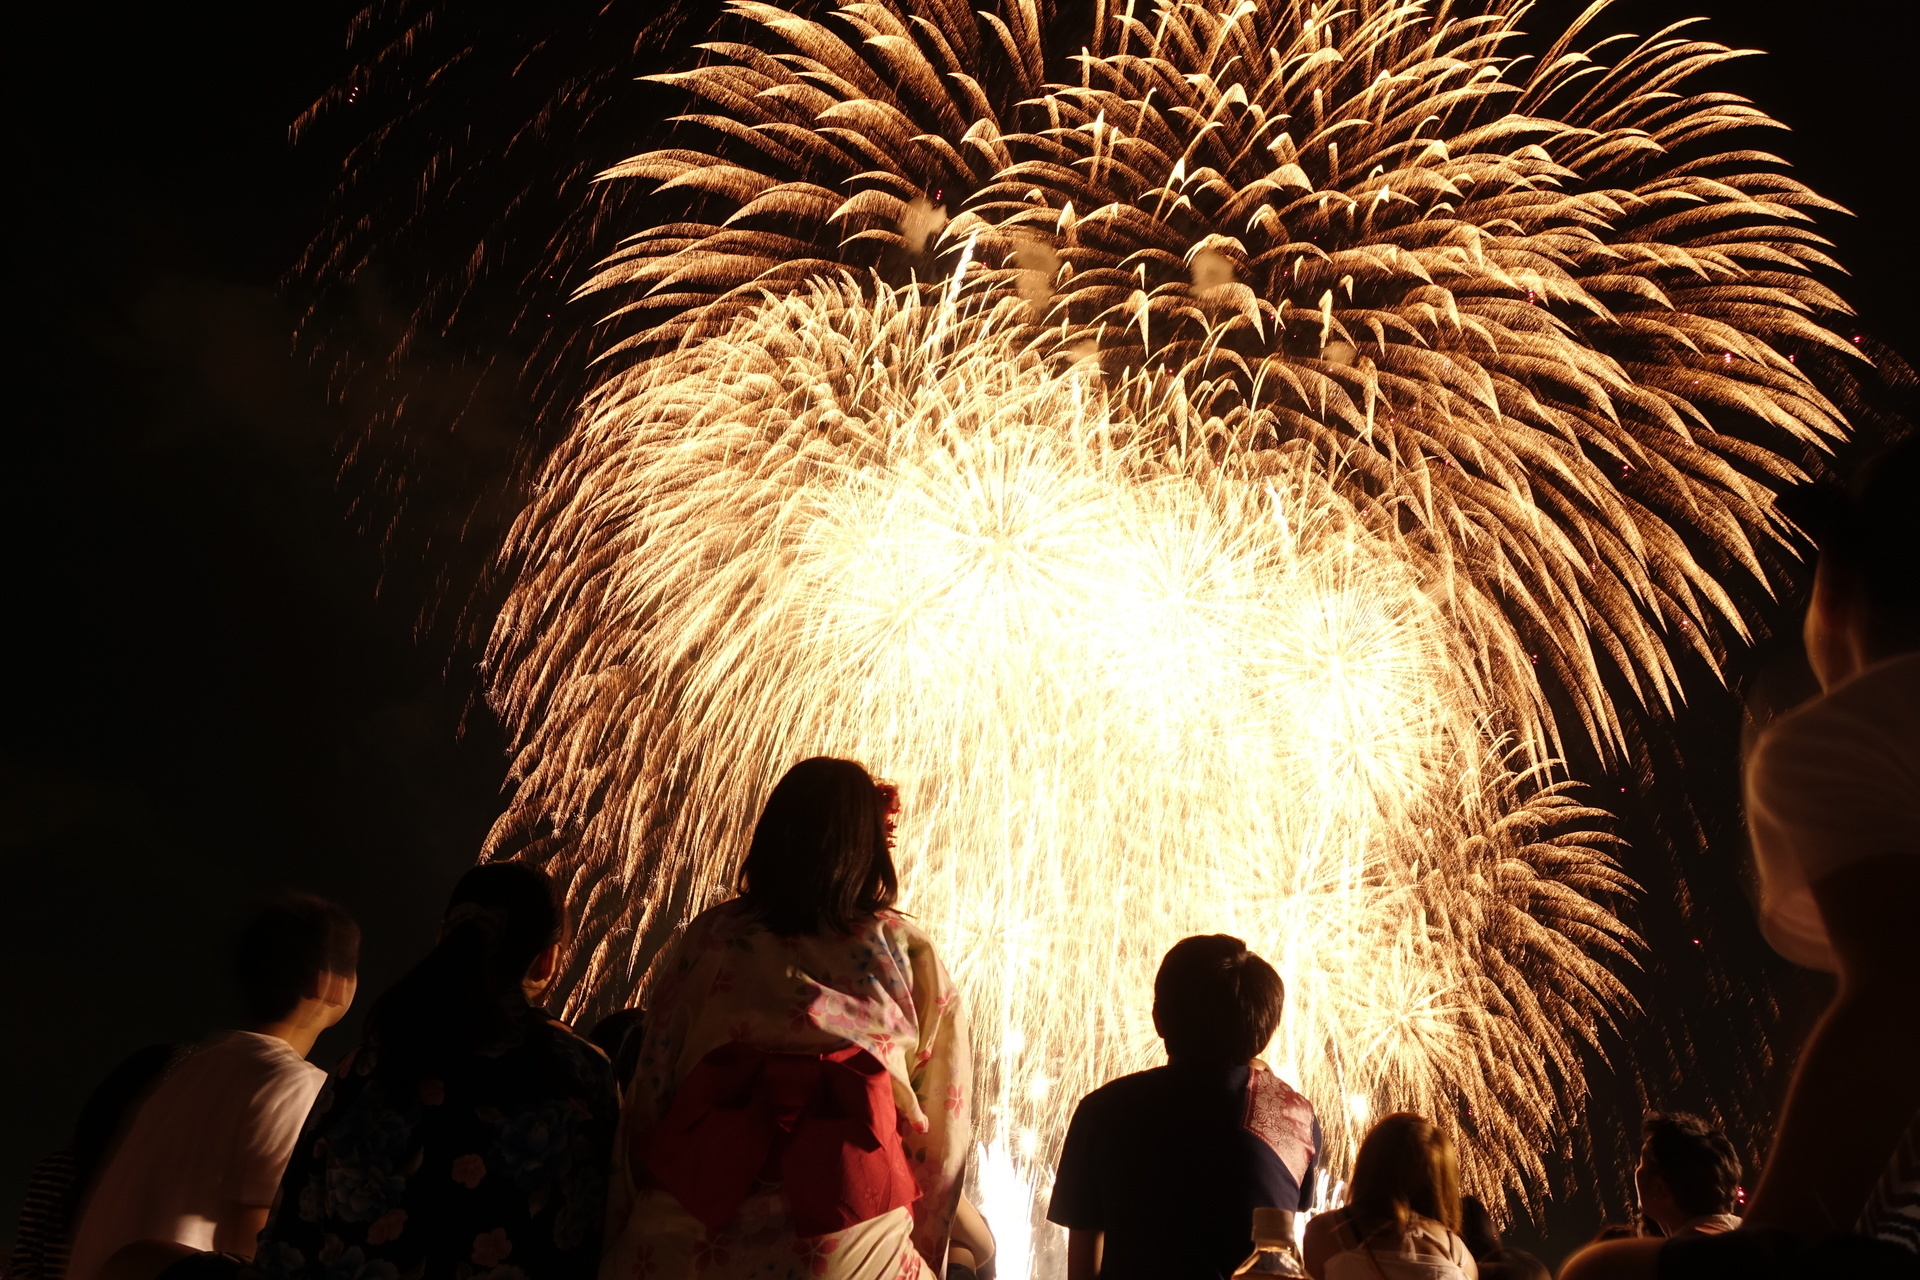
<point>1857,1084</point>
<point>971,1232</point>
<point>240,1228</point>
<point>1316,1242</point>
<point>1083,1253</point>
<point>1615,1260</point>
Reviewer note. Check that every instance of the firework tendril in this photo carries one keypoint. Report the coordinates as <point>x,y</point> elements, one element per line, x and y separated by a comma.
<point>1185,453</point>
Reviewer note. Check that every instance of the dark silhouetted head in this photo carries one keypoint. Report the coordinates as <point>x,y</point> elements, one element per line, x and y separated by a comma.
<point>1214,1001</point>
<point>286,947</point>
<point>820,860</point>
<point>1477,1229</point>
<point>1867,591</point>
<point>512,909</point>
<point>1692,1160</point>
<point>501,918</point>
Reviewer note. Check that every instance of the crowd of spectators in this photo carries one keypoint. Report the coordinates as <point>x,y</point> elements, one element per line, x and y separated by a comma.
<point>796,1101</point>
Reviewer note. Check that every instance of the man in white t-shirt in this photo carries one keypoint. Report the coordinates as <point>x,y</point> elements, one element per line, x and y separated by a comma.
<point>1833,803</point>
<point>199,1166</point>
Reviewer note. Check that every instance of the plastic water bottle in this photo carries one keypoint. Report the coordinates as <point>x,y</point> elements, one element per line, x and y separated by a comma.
<point>1273,1250</point>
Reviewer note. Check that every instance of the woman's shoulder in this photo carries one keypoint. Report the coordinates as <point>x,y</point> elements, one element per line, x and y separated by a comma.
<point>730,919</point>
<point>906,939</point>
<point>904,928</point>
<point>559,1038</point>
<point>1436,1239</point>
<point>1333,1227</point>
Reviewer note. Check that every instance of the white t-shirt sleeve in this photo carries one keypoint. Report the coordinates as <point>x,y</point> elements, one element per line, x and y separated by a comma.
<point>266,1139</point>
<point>1833,784</point>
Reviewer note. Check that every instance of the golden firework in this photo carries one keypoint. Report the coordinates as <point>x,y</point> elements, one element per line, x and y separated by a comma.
<point>1130,690</point>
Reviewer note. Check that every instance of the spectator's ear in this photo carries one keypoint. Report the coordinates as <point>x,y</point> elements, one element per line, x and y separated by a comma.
<point>1834,631</point>
<point>335,990</point>
<point>540,973</point>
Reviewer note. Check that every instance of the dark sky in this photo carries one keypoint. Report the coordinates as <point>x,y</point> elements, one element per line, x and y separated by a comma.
<point>208,695</point>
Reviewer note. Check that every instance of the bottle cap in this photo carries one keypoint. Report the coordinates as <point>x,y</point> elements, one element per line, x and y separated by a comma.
<point>1272,1225</point>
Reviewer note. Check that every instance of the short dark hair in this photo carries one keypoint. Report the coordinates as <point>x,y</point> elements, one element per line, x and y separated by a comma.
<point>819,859</point>
<point>1215,1001</point>
<point>287,943</point>
<point>1477,1231</point>
<point>1694,1159</point>
<point>500,917</point>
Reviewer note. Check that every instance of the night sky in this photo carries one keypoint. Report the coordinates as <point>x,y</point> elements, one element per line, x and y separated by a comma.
<point>218,684</point>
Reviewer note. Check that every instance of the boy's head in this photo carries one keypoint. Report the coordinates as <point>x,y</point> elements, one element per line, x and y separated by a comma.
<point>296,947</point>
<point>1687,1170</point>
<point>1215,1002</point>
<point>1866,592</point>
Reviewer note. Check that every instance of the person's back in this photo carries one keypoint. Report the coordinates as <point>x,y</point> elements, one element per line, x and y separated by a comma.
<point>471,1132</point>
<point>60,1182</point>
<point>1403,1214</point>
<point>1422,1250</point>
<point>498,1159</point>
<point>203,1155</point>
<point>216,1132</point>
<point>802,1100</point>
<point>1162,1169</point>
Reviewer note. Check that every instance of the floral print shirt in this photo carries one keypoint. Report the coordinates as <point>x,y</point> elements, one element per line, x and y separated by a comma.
<point>880,987</point>
<point>490,1167</point>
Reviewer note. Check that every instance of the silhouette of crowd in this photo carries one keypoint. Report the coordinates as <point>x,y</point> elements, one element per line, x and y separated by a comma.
<point>796,1099</point>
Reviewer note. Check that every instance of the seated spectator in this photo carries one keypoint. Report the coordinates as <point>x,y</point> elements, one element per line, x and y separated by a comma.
<point>469,1133</point>
<point>1402,1216</point>
<point>1162,1169</point>
<point>60,1182</point>
<point>202,1158</point>
<point>1496,1260</point>
<point>1833,803</point>
<point>1688,1178</point>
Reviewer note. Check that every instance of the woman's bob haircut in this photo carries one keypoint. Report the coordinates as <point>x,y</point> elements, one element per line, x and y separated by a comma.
<point>1406,1167</point>
<point>820,860</point>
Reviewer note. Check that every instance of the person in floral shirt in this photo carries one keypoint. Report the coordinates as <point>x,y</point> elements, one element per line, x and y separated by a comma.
<point>469,1137</point>
<point>801,1104</point>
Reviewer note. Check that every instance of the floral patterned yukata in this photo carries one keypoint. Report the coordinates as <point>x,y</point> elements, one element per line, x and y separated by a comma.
<point>490,1167</point>
<point>732,982</point>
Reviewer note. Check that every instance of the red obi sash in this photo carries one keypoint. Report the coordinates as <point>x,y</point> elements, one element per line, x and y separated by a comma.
<point>822,1125</point>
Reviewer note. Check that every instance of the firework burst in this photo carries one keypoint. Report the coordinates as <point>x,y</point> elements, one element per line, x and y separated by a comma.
<point>1132,692</point>
<point>1530,304</point>
<point>1188,476</point>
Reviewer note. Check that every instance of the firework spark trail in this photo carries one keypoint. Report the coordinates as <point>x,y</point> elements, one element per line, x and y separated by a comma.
<point>1172,476</point>
<point>1130,694</point>
<point>1527,302</point>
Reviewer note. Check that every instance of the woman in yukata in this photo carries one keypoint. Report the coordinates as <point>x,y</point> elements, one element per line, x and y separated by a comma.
<point>800,1108</point>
